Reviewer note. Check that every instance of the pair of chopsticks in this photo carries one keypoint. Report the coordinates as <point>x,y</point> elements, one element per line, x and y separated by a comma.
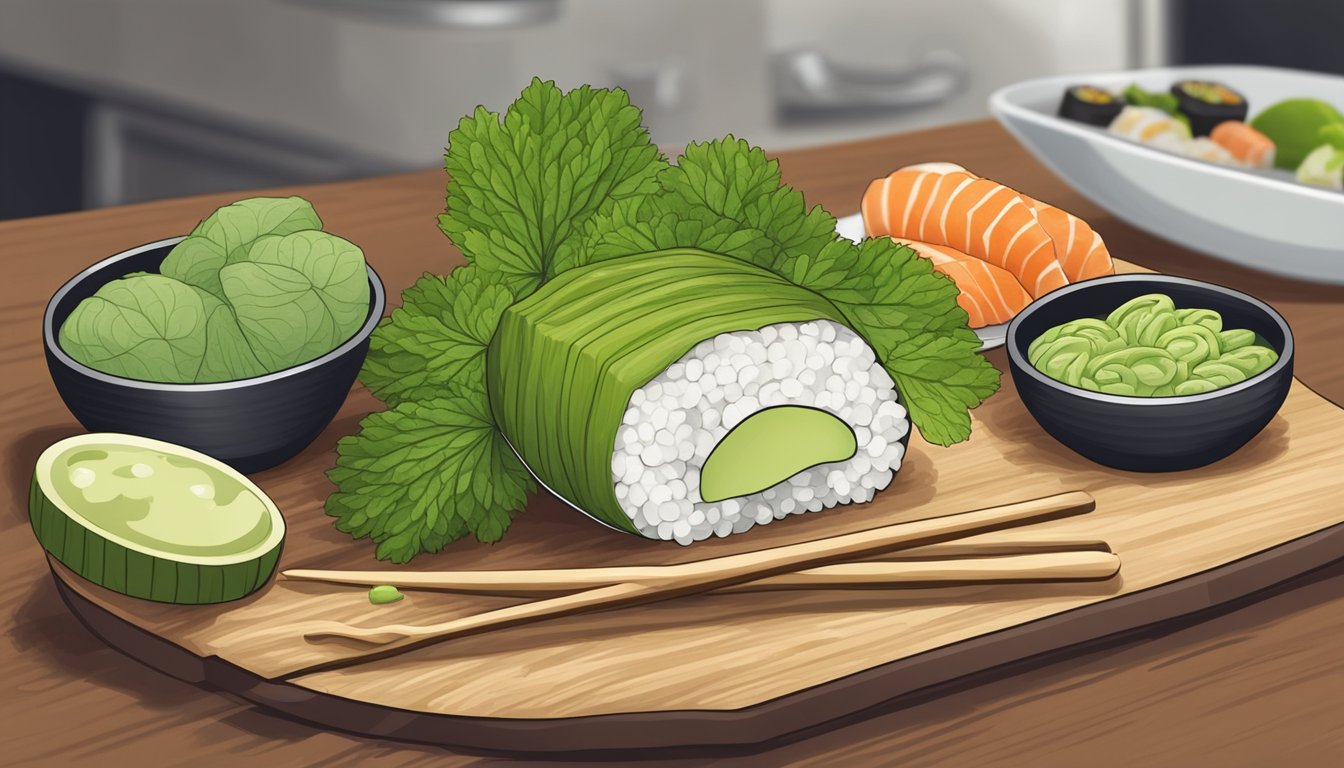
<point>819,564</point>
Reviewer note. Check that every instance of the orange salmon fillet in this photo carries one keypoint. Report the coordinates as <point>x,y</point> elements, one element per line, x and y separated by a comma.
<point>989,295</point>
<point>1246,144</point>
<point>1078,247</point>
<point>975,216</point>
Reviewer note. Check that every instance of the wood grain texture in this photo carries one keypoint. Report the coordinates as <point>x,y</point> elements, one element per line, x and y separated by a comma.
<point>1257,685</point>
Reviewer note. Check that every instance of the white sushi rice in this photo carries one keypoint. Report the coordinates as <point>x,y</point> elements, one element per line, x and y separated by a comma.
<point>673,423</point>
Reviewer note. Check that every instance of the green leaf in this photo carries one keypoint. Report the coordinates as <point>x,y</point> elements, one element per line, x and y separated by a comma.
<point>226,235</point>
<point>426,473</point>
<point>297,296</point>
<point>737,182</point>
<point>643,224</point>
<point>438,337</point>
<point>1332,134</point>
<point>908,313</point>
<point>148,327</point>
<point>520,188</point>
<point>154,328</point>
<point>722,196</point>
<point>940,377</point>
<point>228,356</point>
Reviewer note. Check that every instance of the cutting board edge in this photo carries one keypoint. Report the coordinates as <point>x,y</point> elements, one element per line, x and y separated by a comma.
<point>886,685</point>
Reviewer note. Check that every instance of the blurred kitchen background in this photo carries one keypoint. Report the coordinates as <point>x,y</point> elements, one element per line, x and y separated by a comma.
<point>105,102</point>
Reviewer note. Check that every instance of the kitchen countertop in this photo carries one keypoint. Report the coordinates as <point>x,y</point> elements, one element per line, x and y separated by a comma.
<point>1255,683</point>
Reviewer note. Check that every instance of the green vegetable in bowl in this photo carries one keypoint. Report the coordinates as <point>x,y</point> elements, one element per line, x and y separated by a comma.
<point>256,288</point>
<point>1149,348</point>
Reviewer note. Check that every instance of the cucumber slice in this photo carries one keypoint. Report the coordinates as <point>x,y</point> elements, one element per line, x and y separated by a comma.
<point>154,520</point>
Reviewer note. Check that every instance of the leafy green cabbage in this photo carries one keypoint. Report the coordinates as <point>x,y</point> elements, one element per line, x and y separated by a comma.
<point>255,288</point>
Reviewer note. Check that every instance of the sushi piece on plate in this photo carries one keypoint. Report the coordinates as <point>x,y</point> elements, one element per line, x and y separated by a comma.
<point>690,395</point>
<point>1151,126</point>
<point>1207,104</point>
<point>1246,145</point>
<point>978,217</point>
<point>1210,151</point>
<point>1079,249</point>
<point>1090,104</point>
<point>989,295</point>
<point>1324,167</point>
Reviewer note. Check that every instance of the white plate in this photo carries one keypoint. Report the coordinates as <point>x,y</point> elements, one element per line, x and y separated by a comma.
<point>991,336</point>
<point>1264,221</point>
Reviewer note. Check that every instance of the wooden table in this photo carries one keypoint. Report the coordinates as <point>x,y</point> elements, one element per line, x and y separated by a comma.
<point>1257,683</point>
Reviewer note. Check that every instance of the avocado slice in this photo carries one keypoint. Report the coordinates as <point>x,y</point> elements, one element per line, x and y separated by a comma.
<point>154,520</point>
<point>771,446</point>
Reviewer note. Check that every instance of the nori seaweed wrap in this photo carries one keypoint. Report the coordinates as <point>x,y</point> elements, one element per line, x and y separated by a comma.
<point>1207,104</point>
<point>1091,105</point>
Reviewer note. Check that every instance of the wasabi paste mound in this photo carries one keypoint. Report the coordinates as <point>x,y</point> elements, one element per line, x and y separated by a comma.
<point>1149,348</point>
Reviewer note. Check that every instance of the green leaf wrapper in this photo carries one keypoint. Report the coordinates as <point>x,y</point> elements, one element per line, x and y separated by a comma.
<point>592,336</point>
<point>427,473</point>
<point>521,187</point>
<point>438,336</point>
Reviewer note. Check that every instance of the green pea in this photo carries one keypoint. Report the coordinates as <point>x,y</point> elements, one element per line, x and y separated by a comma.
<point>384,594</point>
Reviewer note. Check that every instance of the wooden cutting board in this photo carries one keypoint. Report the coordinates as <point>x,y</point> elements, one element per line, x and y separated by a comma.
<point>736,669</point>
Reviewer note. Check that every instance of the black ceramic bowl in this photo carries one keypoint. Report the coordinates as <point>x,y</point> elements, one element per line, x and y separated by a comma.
<point>250,424</point>
<point>1151,434</point>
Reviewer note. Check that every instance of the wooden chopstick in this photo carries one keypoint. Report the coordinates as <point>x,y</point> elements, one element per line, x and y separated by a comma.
<point>705,575</point>
<point>939,563</point>
<point>1082,565</point>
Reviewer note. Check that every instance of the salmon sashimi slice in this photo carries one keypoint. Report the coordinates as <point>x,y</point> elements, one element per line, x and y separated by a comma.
<point>975,216</point>
<point>1078,247</point>
<point>1246,144</point>
<point>989,295</point>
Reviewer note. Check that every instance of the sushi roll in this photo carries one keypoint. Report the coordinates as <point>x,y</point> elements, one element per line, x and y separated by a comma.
<point>680,395</point>
<point>1247,146</point>
<point>1323,167</point>
<point>1210,151</point>
<point>1207,104</point>
<point>1151,126</point>
<point>1091,105</point>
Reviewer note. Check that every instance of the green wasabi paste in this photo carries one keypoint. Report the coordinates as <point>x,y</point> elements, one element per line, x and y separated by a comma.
<point>1149,348</point>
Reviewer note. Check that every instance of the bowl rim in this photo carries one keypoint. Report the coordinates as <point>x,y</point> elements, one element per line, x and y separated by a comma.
<point>377,301</point>
<point>1019,362</point>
